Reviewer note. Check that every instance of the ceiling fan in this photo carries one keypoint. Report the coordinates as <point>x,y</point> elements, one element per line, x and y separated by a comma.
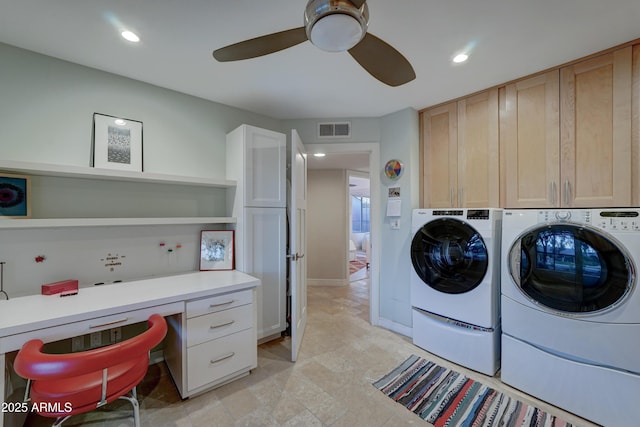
<point>333,26</point>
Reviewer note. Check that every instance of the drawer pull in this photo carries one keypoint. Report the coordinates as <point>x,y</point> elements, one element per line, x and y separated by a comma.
<point>222,358</point>
<point>231,322</point>
<point>222,303</point>
<point>108,323</point>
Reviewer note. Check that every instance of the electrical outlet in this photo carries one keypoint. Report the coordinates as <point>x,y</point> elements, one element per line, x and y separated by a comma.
<point>77,343</point>
<point>96,339</point>
<point>116,334</point>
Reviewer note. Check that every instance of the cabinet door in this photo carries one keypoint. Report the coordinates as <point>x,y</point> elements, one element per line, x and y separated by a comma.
<point>265,254</point>
<point>478,159</point>
<point>265,168</point>
<point>595,132</point>
<point>439,147</point>
<point>530,140</point>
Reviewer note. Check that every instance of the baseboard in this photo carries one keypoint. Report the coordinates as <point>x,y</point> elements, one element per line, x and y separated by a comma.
<point>395,327</point>
<point>327,282</point>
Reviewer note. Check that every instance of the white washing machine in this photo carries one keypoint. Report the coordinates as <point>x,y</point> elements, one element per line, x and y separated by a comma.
<point>455,285</point>
<point>571,310</point>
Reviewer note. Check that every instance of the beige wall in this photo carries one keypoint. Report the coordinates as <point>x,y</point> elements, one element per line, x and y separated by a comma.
<point>327,227</point>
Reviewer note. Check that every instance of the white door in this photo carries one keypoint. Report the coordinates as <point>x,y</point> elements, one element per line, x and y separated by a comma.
<point>298,243</point>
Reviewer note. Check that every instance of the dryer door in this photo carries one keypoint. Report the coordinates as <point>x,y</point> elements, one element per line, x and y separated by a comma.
<point>571,268</point>
<point>449,255</point>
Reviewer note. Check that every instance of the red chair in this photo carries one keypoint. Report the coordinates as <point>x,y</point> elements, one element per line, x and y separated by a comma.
<point>62,385</point>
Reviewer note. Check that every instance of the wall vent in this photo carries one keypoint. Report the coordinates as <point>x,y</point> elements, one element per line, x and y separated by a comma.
<point>334,130</point>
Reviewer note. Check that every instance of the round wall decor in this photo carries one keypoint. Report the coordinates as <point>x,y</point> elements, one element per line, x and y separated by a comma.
<point>393,169</point>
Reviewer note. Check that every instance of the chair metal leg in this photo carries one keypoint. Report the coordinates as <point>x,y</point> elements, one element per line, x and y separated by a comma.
<point>60,420</point>
<point>136,406</point>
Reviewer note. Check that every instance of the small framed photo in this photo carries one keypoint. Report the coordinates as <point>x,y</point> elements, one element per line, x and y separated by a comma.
<point>217,250</point>
<point>117,143</point>
<point>15,196</point>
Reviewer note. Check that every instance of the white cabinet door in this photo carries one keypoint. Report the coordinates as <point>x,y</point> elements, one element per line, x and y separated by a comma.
<point>265,169</point>
<point>264,257</point>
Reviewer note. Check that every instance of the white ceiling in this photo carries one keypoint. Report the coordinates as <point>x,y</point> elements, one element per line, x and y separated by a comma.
<point>507,39</point>
<point>352,161</point>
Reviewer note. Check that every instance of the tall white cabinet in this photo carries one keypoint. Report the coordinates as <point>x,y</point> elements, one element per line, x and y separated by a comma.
<point>256,159</point>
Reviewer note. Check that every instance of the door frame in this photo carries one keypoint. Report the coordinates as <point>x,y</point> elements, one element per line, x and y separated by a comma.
<point>373,149</point>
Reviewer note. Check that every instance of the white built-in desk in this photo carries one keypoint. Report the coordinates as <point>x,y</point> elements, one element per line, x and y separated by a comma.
<point>211,317</point>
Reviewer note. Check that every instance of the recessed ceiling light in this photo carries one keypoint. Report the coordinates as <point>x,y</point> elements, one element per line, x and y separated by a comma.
<point>120,122</point>
<point>131,36</point>
<point>461,57</point>
<point>319,154</point>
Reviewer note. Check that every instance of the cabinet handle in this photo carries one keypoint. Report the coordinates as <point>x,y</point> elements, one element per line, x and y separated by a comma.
<point>222,303</point>
<point>460,197</point>
<point>566,193</point>
<point>220,359</point>
<point>451,196</point>
<point>108,323</point>
<point>222,324</point>
<point>552,193</point>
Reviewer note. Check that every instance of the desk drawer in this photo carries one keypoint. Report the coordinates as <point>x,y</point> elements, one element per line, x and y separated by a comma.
<point>218,324</point>
<point>218,303</point>
<point>68,330</point>
<point>213,360</point>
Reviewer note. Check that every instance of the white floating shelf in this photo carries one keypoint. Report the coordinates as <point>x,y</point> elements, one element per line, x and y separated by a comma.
<point>8,223</point>
<point>70,171</point>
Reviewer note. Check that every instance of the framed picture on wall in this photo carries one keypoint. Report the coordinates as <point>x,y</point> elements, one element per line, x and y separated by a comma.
<point>217,250</point>
<point>15,196</point>
<point>117,143</point>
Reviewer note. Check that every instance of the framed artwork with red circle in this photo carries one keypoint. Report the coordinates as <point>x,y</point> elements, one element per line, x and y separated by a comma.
<point>15,196</point>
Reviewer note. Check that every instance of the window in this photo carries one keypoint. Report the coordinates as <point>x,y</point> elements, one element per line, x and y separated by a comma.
<point>360,214</point>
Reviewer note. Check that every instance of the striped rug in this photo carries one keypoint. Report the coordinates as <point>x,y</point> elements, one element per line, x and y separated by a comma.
<point>447,398</point>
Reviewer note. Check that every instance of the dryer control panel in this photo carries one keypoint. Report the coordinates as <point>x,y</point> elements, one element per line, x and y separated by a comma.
<point>619,220</point>
<point>611,220</point>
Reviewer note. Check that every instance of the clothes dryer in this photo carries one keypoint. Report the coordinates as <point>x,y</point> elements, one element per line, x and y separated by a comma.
<point>455,287</point>
<point>571,310</point>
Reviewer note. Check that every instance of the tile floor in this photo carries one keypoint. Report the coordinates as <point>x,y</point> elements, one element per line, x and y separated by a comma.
<point>330,385</point>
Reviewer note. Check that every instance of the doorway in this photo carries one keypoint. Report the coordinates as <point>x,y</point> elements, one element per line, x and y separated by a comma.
<point>359,220</point>
<point>372,150</point>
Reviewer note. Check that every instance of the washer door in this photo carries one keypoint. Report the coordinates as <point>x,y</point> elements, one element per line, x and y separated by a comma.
<point>571,268</point>
<point>449,256</point>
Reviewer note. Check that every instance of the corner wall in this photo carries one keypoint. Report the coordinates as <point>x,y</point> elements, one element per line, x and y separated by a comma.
<point>327,227</point>
<point>399,140</point>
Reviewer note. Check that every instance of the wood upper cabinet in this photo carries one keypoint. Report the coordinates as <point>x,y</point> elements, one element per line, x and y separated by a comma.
<point>439,139</point>
<point>595,131</point>
<point>530,142</point>
<point>460,153</point>
<point>566,136</point>
<point>478,151</point>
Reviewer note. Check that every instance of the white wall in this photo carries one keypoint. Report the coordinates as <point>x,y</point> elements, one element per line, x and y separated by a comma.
<point>47,106</point>
<point>399,140</point>
<point>327,227</point>
<point>46,116</point>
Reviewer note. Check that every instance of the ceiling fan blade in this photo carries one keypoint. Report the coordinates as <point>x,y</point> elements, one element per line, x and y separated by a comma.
<point>382,61</point>
<point>260,46</point>
<point>358,3</point>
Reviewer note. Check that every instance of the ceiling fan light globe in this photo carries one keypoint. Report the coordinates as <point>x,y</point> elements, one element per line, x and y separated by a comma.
<point>336,33</point>
<point>335,25</point>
